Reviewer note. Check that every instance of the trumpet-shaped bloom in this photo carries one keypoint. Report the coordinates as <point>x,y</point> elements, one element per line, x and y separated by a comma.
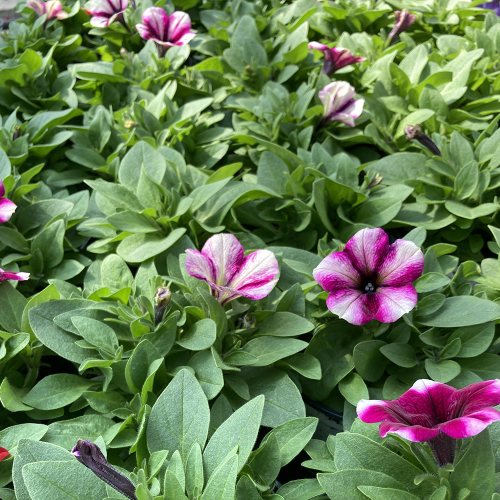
<point>223,265</point>
<point>371,279</point>
<point>403,21</point>
<point>7,207</point>
<point>339,103</point>
<point>335,58</point>
<point>494,6</point>
<point>53,8</point>
<point>104,12</point>
<point>90,455</point>
<point>435,412</point>
<point>165,30</point>
<point>3,453</point>
<point>8,275</point>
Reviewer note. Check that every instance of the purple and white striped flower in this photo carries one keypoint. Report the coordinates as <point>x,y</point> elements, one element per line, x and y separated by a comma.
<point>371,279</point>
<point>437,413</point>
<point>223,265</point>
<point>53,8</point>
<point>9,275</point>
<point>335,57</point>
<point>7,207</point>
<point>105,12</point>
<point>165,30</point>
<point>403,21</point>
<point>339,103</point>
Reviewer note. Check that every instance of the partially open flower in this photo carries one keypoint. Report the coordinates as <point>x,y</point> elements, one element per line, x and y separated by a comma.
<point>3,454</point>
<point>371,279</point>
<point>339,103</point>
<point>7,207</point>
<point>437,413</point>
<point>165,30</point>
<point>8,275</point>
<point>53,8</point>
<point>104,12</point>
<point>223,265</point>
<point>403,21</point>
<point>91,456</point>
<point>335,58</point>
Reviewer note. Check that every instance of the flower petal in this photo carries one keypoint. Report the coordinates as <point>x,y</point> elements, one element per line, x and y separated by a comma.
<point>349,113</point>
<point>428,401</point>
<point>226,254</point>
<point>156,19</point>
<point>367,248</point>
<point>7,208</point>
<point>317,46</point>
<point>101,8</point>
<point>39,8</point>
<point>53,7</point>
<point>255,277</point>
<point>8,275</point>
<point>372,411</point>
<point>185,39</point>
<point>3,453</point>
<point>179,24</point>
<point>2,189</point>
<point>349,304</point>
<point>476,397</point>
<point>470,425</point>
<point>415,433</point>
<point>393,302</point>
<point>199,266</point>
<point>144,32</point>
<point>403,263</point>
<point>336,272</point>
<point>99,22</point>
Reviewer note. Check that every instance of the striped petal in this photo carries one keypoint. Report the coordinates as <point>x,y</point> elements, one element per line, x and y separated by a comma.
<point>393,302</point>
<point>349,304</point>
<point>199,266</point>
<point>403,263</point>
<point>367,248</point>
<point>336,272</point>
<point>156,20</point>
<point>179,24</point>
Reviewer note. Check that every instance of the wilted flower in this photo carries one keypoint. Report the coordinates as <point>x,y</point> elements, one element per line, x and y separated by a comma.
<point>165,30</point>
<point>223,265</point>
<point>415,132</point>
<point>3,454</point>
<point>7,207</point>
<point>335,58</point>
<point>494,6</point>
<point>53,8</point>
<point>437,413</point>
<point>8,275</point>
<point>403,21</point>
<point>104,12</point>
<point>162,299</point>
<point>91,456</point>
<point>371,279</point>
<point>339,103</point>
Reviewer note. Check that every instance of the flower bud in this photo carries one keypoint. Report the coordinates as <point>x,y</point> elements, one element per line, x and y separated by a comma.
<point>403,21</point>
<point>415,132</point>
<point>130,124</point>
<point>162,299</point>
<point>91,456</point>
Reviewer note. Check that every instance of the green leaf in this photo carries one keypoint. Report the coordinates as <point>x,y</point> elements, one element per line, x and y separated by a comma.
<point>415,118</point>
<point>487,366</point>
<point>305,364</point>
<point>194,470</point>
<point>12,435</point>
<point>96,333</point>
<point>431,281</point>
<point>222,482</point>
<point>200,336</point>
<point>180,417</point>
<point>133,222</point>
<point>399,168</point>
<point>474,339</point>
<point>369,361</point>
<point>12,304</point>
<point>466,181</point>
<point>301,489</point>
<point>462,311</point>
<point>353,388</point>
<point>284,324</point>
<point>209,375</point>
<point>56,391</point>
<point>239,430</point>
<point>267,350</point>
<point>400,354</point>
<point>137,368</point>
<point>376,493</point>
<point>442,371</point>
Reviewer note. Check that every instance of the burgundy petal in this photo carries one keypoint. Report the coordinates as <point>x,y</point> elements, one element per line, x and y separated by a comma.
<point>367,249</point>
<point>336,272</point>
<point>403,263</point>
<point>393,302</point>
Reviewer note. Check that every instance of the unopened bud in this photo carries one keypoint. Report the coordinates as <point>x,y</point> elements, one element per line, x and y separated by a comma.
<point>130,124</point>
<point>17,132</point>
<point>162,299</point>
<point>415,132</point>
<point>375,182</point>
<point>125,53</point>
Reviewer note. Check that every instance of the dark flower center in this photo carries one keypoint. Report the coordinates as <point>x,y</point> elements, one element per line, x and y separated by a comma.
<point>368,283</point>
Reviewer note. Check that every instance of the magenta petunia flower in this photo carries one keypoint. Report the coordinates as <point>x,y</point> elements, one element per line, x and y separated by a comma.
<point>339,103</point>
<point>371,279</point>
<point>105,12</point>
<point>53,8</point>
<point>8,275</point>
<point>437,413</point>
<point>165,30</point>
<point>403,21</point>
<point>3,454</point>
<point>223,265</point>
<point>335,58</point>
<point>7,207</point>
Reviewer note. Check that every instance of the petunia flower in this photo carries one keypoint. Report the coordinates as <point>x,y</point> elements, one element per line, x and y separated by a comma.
<point>8,275</point>
<point>403,21</point>
<point>7,207</point>
<point>165,30</point>
<point>3,454</point>
<point>494,6</point>
<point>223,265</point>
<point>371,279</point>
<point>105,12</point>
<point>437,413</point>
<point>53,8</point>
<point>335,58</point>
<point>90,455</point>
<point>339,103</point>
